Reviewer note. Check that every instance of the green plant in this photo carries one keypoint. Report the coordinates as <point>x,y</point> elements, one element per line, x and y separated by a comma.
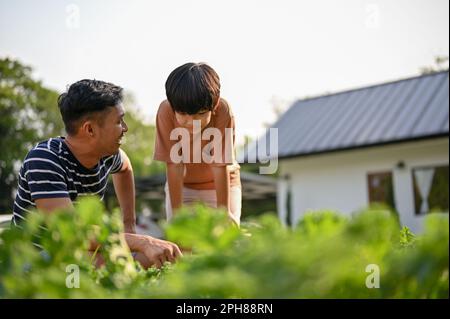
<point>324,256</point>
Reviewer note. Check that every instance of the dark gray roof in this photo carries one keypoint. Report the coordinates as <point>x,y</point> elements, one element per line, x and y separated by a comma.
<point>407,109</point>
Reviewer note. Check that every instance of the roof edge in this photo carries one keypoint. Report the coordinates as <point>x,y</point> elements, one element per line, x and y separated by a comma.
<point>366,87</point>
<point>408,140</point>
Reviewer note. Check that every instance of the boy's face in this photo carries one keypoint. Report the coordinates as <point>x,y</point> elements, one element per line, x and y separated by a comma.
<point>187,120</point>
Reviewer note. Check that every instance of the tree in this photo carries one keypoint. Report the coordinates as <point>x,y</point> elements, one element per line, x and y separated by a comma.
<point>440,64</point>
<point>29,113</point>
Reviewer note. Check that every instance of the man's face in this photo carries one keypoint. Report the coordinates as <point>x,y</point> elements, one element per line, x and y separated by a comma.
<point>111,131</point>
<point>187,120</point>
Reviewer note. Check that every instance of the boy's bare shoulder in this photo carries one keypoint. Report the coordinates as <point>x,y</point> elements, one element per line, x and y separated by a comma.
<point>224,107</point>
<point>223,103</point>
<point>164,106</point>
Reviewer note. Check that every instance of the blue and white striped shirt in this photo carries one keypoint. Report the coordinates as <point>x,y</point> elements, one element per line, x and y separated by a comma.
<point>50,170</point>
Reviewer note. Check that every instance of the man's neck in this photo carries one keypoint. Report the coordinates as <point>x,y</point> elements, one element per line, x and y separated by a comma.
<point>87,157</point>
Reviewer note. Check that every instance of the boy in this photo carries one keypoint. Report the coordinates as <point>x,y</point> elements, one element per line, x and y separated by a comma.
<point>203,168</point>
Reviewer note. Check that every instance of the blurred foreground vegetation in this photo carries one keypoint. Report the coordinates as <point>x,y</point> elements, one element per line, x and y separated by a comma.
<point>324,256</point>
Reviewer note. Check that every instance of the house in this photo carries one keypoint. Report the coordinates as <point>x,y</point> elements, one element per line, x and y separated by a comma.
<point>383,143</point>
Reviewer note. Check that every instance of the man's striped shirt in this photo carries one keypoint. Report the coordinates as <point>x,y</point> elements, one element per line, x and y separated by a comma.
<point>50,170</point>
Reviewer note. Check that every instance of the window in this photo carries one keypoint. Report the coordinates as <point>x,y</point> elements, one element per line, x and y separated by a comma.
<point>430,189</point>
<point>381,188</point>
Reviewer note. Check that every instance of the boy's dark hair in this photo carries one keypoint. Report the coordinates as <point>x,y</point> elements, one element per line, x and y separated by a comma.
<point>86,98</point>
<point>193,87</point>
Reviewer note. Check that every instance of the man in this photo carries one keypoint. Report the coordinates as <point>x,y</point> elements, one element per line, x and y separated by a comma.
<point>58,171</point>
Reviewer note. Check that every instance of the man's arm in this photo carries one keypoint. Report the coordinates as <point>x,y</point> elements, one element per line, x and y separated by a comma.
<point>124,187</point>
<point>175,175</point>
<point>48,205</point>
<point>157,251</point>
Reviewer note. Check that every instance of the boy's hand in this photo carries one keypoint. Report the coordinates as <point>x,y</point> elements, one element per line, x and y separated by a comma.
<point>233,219</point>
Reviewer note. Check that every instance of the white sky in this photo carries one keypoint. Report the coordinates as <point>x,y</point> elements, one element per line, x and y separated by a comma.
<point>261,49</point>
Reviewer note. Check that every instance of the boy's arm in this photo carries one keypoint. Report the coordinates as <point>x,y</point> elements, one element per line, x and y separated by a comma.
<point>124,187</point>
<point>222,184</point>
<point>175,175</point>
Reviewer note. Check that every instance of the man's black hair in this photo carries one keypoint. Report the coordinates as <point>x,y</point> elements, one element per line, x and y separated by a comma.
<point>86,98</point>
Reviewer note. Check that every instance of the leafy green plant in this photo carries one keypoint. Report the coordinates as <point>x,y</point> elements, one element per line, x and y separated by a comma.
<point>325,256</point>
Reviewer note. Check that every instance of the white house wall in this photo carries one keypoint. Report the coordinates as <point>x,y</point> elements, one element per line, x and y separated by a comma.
<point>338,181</point>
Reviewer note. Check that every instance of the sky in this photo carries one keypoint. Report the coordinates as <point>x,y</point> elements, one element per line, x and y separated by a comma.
<point>267,52</point>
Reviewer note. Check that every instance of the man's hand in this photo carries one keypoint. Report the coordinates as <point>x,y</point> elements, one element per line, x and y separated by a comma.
<point>159,251</point>
<point>155,251</point>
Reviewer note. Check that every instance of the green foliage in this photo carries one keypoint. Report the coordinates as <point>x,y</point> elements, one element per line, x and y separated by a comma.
<point>202,232</point>
<point>407,238</point>
<point>64,238</point>
<point>324,256</point>
<point>29,113</point>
